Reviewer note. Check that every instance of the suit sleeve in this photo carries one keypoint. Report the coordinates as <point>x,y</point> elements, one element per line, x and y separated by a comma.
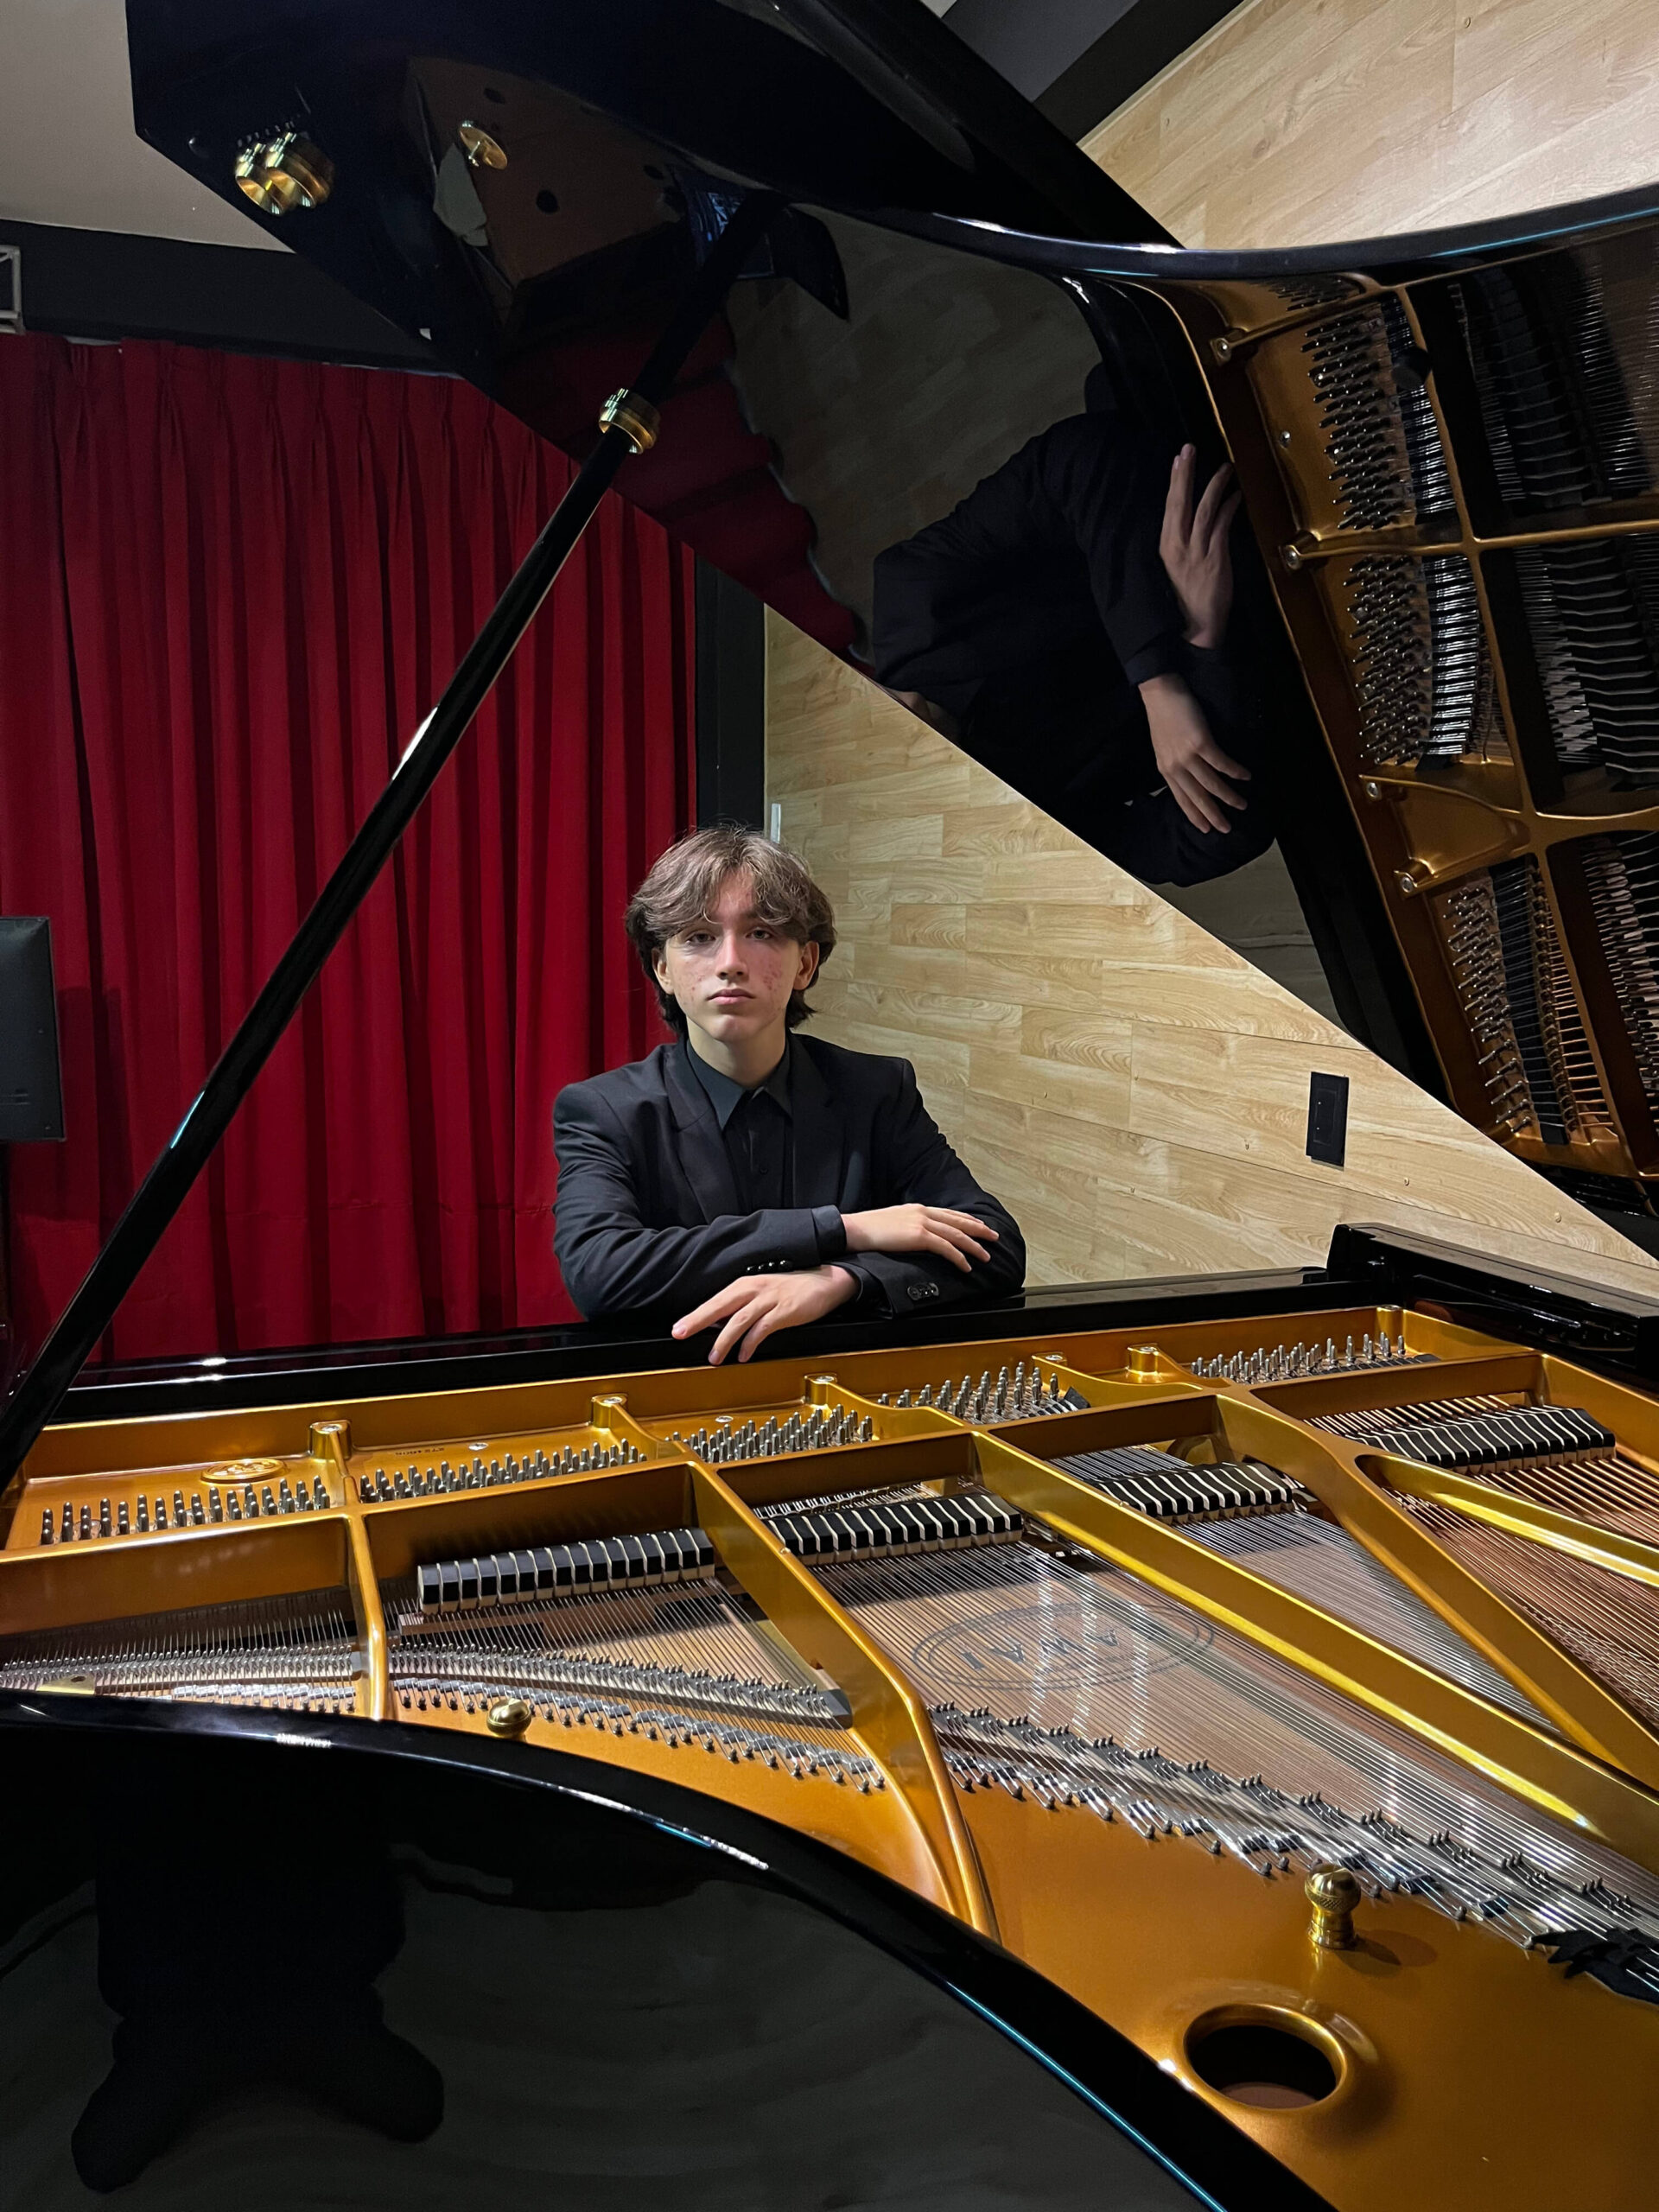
<point>1111,485</point>
<point>917,1166</point>
<point>612,1262</point>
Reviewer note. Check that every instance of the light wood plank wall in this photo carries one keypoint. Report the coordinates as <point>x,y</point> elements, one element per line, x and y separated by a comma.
<point>1134,1091</point>
<point>1300,122</point>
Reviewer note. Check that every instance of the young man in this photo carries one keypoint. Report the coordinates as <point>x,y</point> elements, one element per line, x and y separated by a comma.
<point>744,1180</point>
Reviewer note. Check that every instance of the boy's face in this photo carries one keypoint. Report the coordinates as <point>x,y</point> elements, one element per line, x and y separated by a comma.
<point>731,973</point>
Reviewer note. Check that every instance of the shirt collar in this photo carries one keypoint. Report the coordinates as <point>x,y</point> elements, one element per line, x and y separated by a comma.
<point>726,1096</point>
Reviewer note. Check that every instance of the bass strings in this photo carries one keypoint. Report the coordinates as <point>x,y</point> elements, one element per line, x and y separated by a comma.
<point>1607,1622</point>
<point>1616,1491</point>
<point>1323,1563</point>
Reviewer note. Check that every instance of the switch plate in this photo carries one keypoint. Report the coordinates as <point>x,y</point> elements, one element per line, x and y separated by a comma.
<point>1327,1118</point>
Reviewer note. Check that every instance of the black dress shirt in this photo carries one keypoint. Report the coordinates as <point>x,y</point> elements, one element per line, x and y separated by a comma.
<point>758,1126</point>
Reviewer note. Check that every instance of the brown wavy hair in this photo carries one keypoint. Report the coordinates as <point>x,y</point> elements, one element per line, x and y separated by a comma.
<point>685,883</point>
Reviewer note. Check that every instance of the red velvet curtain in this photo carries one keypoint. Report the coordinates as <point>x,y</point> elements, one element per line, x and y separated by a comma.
<point>229,591</point>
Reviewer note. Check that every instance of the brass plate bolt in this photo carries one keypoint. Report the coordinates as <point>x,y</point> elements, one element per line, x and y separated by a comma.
<point>1291,555</point>
<point>1371,788</point>
<point>1284,437</point>
<point>1407,880</point>
<point>482,152</point>
<point>284,174</point>
<point>510,1717</point>
<point>1333,1893</point>
<point>636,418</point>
<point>1143,1362</point>
<point>1224,346</point>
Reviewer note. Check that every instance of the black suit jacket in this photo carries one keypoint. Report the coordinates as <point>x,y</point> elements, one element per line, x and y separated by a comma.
<point>1034,609</point>
<point>1057,545</point>
<point>646,1210</point>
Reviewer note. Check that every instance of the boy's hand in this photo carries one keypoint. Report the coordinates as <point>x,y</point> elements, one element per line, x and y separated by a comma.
<point>754,1305</point>
<point>959,1238</point>
<point>1193,547</point>
<point>1190,761</point>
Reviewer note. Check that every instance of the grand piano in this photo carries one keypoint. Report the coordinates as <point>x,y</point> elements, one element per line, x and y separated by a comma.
<point>1174,1743</point>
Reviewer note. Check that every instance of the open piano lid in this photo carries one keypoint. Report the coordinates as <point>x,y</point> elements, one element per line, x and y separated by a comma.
<point>1448,443</point>
<point>530,198</point>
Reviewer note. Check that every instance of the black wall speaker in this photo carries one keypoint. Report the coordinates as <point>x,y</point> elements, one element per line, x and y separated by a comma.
<point>31,1088</point>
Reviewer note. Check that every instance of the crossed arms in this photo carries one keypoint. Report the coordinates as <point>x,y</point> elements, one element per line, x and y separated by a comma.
<point>932,1235</point>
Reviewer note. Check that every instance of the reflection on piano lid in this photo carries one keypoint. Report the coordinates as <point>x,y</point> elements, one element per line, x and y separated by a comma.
<point>1447,443</point>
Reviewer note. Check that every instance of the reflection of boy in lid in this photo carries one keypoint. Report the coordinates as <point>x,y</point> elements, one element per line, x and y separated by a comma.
<point>1067,624</point>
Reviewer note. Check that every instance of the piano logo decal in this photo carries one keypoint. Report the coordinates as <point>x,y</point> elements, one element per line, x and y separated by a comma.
<point>1054,1645</point>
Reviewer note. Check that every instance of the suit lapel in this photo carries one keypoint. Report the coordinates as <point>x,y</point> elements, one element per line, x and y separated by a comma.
<point>702,1149</point>
<point>817,1132</point>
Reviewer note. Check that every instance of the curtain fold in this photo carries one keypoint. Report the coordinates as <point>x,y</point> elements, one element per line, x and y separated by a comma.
<point>230,588</point>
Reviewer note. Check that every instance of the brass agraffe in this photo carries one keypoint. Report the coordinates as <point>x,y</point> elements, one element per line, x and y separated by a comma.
<point>482,152</point>
<point>284,174</point>
<point>636,418</point>
<point>1333,1893</point>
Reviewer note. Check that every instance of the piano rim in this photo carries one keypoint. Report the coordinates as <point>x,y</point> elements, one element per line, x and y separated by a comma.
<point>1133,2093</point>
<point>1608,1328</point>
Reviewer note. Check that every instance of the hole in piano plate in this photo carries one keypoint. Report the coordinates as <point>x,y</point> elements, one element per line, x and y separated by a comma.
<point>1273,2060</point>
<point>500,98</point>
<point>548,201</point>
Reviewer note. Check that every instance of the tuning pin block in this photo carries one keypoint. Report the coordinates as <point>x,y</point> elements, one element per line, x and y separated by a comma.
<point>1290,1363</point>
<point>811,1428</point>
<point>387,1485</point>
<point>1023,1395</point>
